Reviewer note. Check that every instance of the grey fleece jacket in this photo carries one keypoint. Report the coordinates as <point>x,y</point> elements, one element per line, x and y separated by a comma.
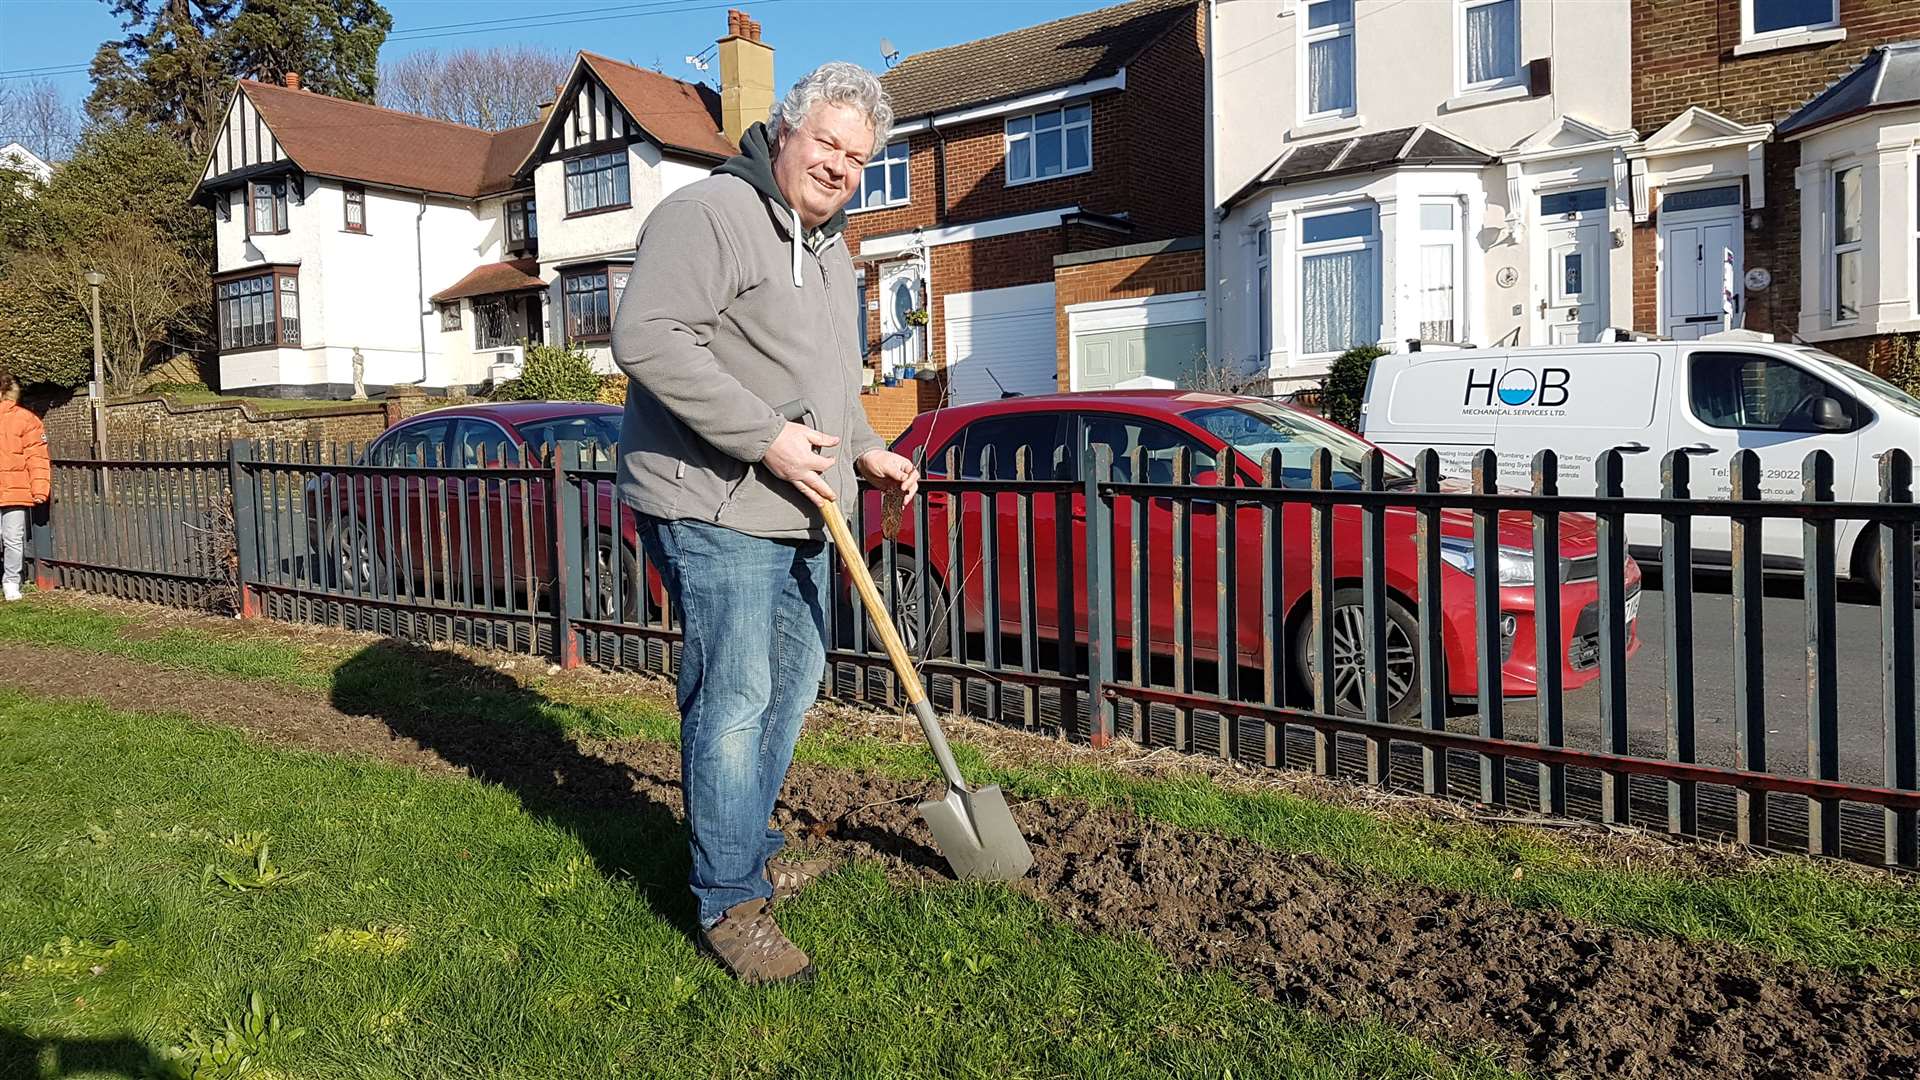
<point>730,312</point>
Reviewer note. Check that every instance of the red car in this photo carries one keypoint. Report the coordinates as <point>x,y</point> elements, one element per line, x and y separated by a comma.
<point>348,527</point>
<point>1054,428</point>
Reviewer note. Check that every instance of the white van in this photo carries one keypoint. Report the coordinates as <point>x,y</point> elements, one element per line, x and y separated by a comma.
<point>1732,391</point>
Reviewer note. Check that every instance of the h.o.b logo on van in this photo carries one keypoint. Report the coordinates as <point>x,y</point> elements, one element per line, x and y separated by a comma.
<point>1493,390</point>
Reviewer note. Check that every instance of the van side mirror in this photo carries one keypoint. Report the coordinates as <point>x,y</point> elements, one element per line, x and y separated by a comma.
<point>1829,415</point>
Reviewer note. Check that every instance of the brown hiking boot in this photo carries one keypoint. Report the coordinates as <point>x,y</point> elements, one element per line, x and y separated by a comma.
<point>749,944</point>
<point>789,876</point>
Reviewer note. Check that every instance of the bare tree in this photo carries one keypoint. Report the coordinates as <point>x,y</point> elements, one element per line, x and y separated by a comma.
<point>492,88</point>
<point>37,116</point>
<point>153,295</point>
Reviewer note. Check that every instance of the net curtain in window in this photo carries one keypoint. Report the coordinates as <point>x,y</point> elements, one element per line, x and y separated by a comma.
<point>1492,41</point>
<point>1336,292</point>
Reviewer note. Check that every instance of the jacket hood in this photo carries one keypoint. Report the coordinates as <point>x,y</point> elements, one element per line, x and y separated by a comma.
<point>754,164</point>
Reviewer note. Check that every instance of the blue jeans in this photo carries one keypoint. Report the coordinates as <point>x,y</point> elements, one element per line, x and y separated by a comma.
<point>753,650</point>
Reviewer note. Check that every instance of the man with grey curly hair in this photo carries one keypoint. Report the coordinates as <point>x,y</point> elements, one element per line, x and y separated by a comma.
<point>739,313</point>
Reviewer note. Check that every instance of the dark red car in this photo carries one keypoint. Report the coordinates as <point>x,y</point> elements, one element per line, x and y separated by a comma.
<point>358,530</point>
<point>1052,429</point>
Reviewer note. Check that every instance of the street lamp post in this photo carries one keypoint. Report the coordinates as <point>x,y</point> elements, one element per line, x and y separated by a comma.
<point>95,279</point>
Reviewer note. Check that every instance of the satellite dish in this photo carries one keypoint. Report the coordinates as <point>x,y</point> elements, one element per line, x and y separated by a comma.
<point>888,53</point>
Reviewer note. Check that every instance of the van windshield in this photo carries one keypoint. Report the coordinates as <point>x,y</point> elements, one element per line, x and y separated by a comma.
<point>1887,391</point>
<point>1254,429</point>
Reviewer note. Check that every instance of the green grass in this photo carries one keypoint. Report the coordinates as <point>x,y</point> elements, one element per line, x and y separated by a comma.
<point>416,925</point>
<point>1833,916</point>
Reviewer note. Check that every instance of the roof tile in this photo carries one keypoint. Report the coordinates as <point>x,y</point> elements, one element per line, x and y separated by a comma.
<point>1081,48</point>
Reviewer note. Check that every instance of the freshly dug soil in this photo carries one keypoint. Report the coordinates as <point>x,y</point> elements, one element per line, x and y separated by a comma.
<point>1556,996</point>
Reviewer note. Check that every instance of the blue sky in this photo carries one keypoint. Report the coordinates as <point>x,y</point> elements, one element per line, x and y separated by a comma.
<point>38,35</point>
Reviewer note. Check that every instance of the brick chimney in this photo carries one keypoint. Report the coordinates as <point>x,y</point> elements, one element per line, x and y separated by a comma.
<point>746,76</point>
<point>546,107</point>
<point>291,80</point>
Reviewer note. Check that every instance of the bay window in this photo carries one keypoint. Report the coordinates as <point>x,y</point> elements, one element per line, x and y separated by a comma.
<point>1845,244</point>
<point>1327,40</point>
<point>1057,142</point>
<point>1440,270</point>
<point>523,226</point>
<point>597,182</point>
<point>1339,281</point>
<point>259,310</point>
<point>592,297</point>
<point>1490,43</point>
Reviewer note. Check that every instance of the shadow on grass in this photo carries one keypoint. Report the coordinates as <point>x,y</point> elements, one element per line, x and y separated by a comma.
<point>482,720</point>
<point>24,1057</point>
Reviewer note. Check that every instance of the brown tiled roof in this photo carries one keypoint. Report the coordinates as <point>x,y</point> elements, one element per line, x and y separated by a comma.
<point>499,277</point>
<point>509,149</point>
<point>677,115</point>
<point>1077,49</point>
<point>332,136</point>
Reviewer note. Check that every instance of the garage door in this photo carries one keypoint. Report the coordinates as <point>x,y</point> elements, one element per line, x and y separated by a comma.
<point>1109,357</point>
<point>1000,334</point>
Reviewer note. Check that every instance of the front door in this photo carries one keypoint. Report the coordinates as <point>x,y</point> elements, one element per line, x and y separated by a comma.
<point>900,334</point>
<point>1573,258</point>
<point>1701,262</point>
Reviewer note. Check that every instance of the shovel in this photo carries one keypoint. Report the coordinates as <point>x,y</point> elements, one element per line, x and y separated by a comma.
<point>971,826</point>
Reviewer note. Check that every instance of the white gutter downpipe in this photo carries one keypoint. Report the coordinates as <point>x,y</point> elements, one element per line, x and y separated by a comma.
<point>420,285</point>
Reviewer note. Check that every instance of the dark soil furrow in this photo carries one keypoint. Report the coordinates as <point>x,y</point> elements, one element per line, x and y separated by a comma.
<point>1559,997</point>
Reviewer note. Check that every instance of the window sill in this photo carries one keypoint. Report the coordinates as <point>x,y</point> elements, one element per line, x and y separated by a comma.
<point>1043,179</point>
<point>598,210</point>
<point>1796,39</point>
<point>1325,127</point>
<point>1473,99</point>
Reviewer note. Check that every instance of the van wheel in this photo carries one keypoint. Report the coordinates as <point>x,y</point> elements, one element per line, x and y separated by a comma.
<point>1348,693</point>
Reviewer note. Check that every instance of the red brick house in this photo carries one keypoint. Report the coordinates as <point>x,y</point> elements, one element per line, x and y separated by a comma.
<point>1033,221</point>
<point>1780,151</point>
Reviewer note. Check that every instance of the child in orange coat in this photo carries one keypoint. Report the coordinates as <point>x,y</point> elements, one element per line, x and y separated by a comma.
<point>25,478</point>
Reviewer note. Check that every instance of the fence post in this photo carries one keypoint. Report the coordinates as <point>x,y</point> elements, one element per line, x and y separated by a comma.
<point>1100,620</point>
<point>1823,658</point>
<point>1897,647</point>
<point>1614,790</point>
<point>1749,652</point>
<point>246,524</point>
<point>567,523</point>
<point>1548,649</point>
<point>43,576</point>
<point>1676,578</point>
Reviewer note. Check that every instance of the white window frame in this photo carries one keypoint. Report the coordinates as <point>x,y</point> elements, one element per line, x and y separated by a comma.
<point>1519,76</point>
<point>1747,33</point>
<point>1453,238</point>
<point>884,161</point>
<point>1033,159</point>
<point>1834,248</point>
<point>1309,37</point>
<point>1302,251</point>
<point>1261,247</point>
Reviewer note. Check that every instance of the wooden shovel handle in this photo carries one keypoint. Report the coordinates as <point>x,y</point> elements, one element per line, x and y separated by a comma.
<point>856,563</point>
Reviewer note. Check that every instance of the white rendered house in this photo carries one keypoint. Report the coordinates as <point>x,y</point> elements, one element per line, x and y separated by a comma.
<point>414,251</point>
<point>1453,171</point>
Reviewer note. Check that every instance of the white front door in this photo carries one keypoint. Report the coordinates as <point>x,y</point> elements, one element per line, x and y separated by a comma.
<point>900,339</point>
<point>1576,267</point>
<point>1701,262</point>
